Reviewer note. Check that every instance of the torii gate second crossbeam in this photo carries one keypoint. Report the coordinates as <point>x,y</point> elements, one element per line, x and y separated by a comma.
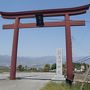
<point>39,14</point>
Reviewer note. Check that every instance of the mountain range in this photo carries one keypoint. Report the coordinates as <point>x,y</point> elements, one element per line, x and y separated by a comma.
<point>29,61</point>
<point>32,61</point>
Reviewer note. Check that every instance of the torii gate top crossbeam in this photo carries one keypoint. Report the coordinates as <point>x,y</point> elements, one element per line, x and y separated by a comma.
<point>46,13</point>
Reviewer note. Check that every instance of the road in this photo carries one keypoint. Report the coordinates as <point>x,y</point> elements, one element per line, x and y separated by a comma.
<point>29,81</point>
<point>25,81</point>
<point>22,84</point>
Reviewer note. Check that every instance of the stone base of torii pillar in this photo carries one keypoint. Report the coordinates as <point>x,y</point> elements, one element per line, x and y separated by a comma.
<point>59,76</point>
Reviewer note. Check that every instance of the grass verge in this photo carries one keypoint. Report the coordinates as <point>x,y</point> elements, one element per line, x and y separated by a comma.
<point>63,86</point>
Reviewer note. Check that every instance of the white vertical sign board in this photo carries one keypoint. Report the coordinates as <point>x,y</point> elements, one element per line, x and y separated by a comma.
<point>59,76</point>
<point>59,61</point>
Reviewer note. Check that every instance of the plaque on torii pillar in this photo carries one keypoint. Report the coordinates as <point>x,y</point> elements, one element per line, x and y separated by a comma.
<point>67,23</point>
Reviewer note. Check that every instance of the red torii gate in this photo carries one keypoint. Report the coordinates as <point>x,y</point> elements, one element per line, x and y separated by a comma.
<point>39,14</point>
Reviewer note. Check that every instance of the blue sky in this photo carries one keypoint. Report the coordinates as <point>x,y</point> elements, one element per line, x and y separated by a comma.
<point>36,42</point>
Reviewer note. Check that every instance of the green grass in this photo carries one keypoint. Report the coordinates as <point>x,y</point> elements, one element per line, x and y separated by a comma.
<point>63,86</point>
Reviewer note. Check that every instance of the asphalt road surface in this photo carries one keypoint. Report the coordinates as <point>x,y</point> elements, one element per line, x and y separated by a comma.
<point>29,81</point>
<point>22,84</point>
<point>25,81</point>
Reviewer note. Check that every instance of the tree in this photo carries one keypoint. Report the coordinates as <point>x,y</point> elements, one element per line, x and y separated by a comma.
<point>20,68</point>
<point>26,68</point>
<point>77,65</point>
<point>33,69</point>
<point>46,67</point>
<point>53,66</point>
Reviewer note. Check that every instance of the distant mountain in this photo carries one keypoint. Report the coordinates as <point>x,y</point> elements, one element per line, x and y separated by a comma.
<point>32,61</point>
<point>4,60</point>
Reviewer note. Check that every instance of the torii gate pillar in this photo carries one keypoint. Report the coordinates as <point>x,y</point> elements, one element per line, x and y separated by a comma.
<point>14,51</point>
<point>69,64</point>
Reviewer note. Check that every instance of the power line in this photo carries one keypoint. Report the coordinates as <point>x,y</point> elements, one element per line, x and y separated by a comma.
<point>83,59</point>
